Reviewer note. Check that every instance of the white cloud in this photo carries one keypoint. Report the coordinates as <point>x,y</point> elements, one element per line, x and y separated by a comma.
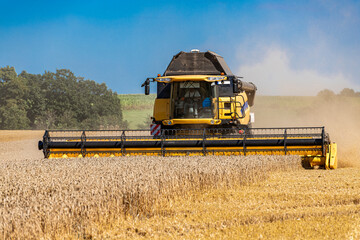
<point>274,76</point>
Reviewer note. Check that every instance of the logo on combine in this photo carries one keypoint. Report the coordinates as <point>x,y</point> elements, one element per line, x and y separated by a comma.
<point>155,129</point>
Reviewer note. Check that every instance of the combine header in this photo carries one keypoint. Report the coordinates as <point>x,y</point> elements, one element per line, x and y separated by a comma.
<point>201,109</point>
<point>311,143</point>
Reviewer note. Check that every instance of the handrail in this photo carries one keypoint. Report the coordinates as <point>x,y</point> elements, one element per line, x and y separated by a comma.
<point>235,108</point>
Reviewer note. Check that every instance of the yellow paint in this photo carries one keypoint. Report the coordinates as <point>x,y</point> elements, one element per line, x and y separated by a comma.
<point>184,78</point>
<point>329,161</point>
<point>215,137</point>
<point>208,121</point>
<point>161,109</point>
<point>245,119</point>
<point>333,156</point>
<point>312,153</point>
<point>234,110</point>
<point>223,110</point>
<point>326,159</point>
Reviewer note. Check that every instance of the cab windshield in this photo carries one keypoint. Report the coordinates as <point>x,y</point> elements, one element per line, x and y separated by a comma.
<point>192,99</point>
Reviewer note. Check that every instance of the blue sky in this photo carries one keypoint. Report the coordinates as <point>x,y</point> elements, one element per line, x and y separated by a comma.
<point>284,47</point>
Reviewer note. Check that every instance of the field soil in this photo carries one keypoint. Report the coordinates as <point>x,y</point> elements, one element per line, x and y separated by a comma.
<point>20,144</point>
<point>275,199</point>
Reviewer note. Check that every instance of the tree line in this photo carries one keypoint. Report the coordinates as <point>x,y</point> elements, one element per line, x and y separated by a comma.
<point>346,92</point>
<point>57,100</point>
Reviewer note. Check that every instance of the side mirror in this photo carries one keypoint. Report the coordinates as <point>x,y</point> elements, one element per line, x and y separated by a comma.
<point>236,86</point>
<point>146,84</point>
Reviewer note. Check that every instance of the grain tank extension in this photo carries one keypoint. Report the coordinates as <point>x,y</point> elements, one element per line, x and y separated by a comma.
<point>201,108</point>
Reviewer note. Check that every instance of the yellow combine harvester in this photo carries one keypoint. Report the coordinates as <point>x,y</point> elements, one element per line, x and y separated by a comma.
<point>201,108</point>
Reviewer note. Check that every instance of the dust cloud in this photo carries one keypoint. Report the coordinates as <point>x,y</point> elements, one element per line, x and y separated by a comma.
<point>293,101</point>
<point>339,115</point>
<point>273,74</point>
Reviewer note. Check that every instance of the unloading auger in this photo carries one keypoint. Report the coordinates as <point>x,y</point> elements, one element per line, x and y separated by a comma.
<point>201,108</point>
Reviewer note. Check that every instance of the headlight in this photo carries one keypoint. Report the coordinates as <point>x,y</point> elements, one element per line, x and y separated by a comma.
<point>216,78</point>
<point>167,122</point>
<point>212,122</point>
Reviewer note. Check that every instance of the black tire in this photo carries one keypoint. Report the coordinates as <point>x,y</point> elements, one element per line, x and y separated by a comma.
<point>306,164</point>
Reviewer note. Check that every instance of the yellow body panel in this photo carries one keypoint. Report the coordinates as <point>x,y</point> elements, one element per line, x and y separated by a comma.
<point>230,108</point>
<point>333,156</point>
<point>245,118</point>
<point>224,112</point>
<point>329,161</point>
<point>162,109</point>
<point>208,121</point>
<point>184,78</point>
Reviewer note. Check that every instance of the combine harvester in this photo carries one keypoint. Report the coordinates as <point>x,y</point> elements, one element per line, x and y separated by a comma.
<point>201,108</point>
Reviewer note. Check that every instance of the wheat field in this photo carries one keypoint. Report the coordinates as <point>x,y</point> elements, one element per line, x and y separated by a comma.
<point>57,197</point>
<point>254,197</point>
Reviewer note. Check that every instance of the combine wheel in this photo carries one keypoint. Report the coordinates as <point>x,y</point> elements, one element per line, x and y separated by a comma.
<point>306,164</point>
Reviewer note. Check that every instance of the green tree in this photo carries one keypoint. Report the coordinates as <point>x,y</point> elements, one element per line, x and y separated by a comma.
<point>13,106</point>
<point>56,100</point>
<point>34,97</point>
<point>13,116</point>
<point>347,92</point>
<point>326,93</point>
<point>146,123</point>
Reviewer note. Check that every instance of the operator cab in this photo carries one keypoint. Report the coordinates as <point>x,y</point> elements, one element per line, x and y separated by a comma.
<point>198,88</point>
<point>194,99</point>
